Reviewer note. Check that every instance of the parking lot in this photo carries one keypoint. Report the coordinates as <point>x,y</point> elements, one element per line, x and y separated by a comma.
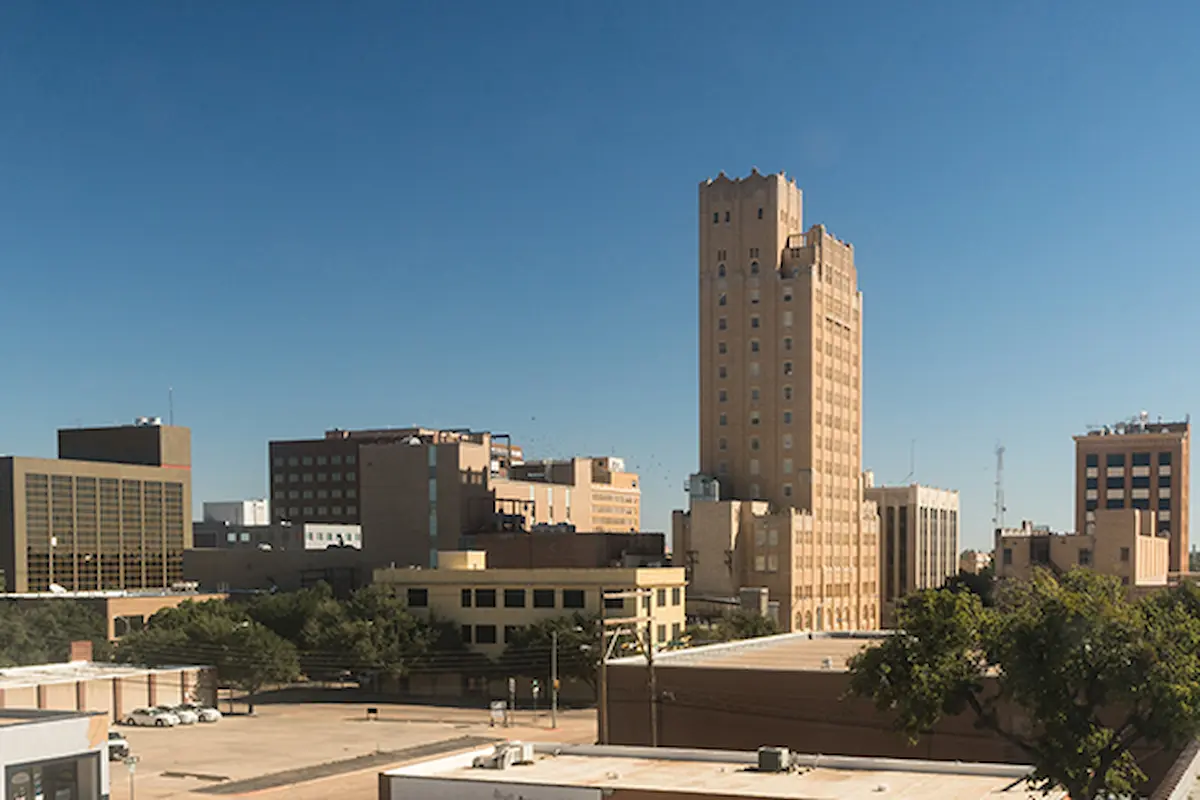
<point>313,750</point>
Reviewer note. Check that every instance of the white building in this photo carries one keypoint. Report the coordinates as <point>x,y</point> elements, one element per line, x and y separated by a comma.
<point>239,512</point>
<point>323,535</point>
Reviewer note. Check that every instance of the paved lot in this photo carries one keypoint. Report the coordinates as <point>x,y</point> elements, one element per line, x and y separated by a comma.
<point>313,750</point>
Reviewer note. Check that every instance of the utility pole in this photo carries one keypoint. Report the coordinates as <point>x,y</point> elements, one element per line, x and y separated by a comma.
<point>553,679</point>
<point>652,683</point>
<point>607,642</point>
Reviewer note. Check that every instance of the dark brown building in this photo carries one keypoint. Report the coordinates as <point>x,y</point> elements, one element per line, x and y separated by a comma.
<point>220,570</point>
<point>100,523</point>
<point>790,691</point>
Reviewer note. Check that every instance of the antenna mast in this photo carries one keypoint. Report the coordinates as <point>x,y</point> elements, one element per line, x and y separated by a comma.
<point>998,513</point>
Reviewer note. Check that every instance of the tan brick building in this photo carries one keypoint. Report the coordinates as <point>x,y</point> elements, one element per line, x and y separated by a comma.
<point>919,539</point>
<point>780,412</point>
<point>119,520</point>
<point>417,490</point>
<point>1121,542</point>
<point>1137,464</point>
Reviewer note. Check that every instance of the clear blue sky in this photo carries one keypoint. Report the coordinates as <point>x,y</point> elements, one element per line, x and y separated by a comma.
<point>306,215</point>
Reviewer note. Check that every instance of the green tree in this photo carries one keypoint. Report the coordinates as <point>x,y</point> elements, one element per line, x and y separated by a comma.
<point>1095,673</point>
<point>42,632</point>
<point>246,654</point>
<point>982,583</point>
<point>528,651</point>
<point>739,624</point>
<point>288,613</point>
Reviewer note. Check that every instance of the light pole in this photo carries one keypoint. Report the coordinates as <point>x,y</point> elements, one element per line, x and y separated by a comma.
<point>131,765</point>
<point>554,679</point>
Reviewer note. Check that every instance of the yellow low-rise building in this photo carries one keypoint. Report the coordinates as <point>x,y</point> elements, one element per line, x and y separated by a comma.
<point>490,605</point>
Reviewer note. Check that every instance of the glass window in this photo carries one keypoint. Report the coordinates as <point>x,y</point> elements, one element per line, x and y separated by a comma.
<point>1115,460</point>
<point>321,461</point>
<point>1141,459</point>
<point>306,461</point>
<point>1124,553</point>
<point>716,217</point>
<point>1093,460</point>
<point>662,633</point>
<point>485,598</point>
<point>754,345</point>
<point>1091,505</point>
<point>351,459</point>
<point>466,598</point>
<point>753,267</point>
<point>572,598</point>
<point>1007,556</point>
<point>787,418</point>
<point>787,393</point>
<point>722,396</point>
<point>787,343</point>
<point>662,597</point>
<point>1164,504</point>
<point>721,348</point>
<point>335,460</point>
<point>722,420</point>
<point>676,596</point>
<point>754,322</point>
<point>787,368</point>
<point>722,372</point>
<point>485,634</point>
<point>1114,502</point>
<point>293,461</point>
<point>1140,481</point>
<point>1164,481</point>
<point>722,324</point>
<point>543,598</point>
<point>1115,482</point>
<point>1093,483</point>
<point>231,537</point>
<point>514,598</point>
<point>722,444</point>
<point>614,603</point>
<point>754,443</point>
<point>760,213</point>
<point>418,598</point>
<point>720,267</point>
<point>1085,558</point>
<point>1140,502</point>
<point>721,299</point>
<point>1164,459</point>
<point>277,477</point>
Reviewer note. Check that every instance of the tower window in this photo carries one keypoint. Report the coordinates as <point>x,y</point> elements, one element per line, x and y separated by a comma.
<point>720,270</point>
<point>787,417</point>
<point>754,322</point>
<point>722,444</point>
<point>716,217</point>
<point>721,324</point>
<point>721,348</point>
<point>722,372</point>
<point>722,396</point>
<point>754,394</point>
<point>760,213</point>
<point>787,368</point>
<point>721,299</point>
<point>787,343</point>
<point>787,296</point>
<point>722,420</point>
<point>787,393</point>
<point>753,267</point>
<point>727,216</point>
<point>754,418</point>
<point>754,443</point>
<point>754,345</point>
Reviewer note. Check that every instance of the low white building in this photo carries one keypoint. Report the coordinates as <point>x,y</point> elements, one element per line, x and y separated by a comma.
<point>323,535</point>
<point>239,512</point>
<point>53,754</point>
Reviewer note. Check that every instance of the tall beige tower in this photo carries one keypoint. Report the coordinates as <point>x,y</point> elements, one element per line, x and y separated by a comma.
<point>780,400</point>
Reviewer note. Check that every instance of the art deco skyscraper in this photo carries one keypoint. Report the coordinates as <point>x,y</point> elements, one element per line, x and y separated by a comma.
<point>780,398</point>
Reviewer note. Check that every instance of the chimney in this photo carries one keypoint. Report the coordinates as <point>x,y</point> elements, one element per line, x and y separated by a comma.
<point>81,651</point>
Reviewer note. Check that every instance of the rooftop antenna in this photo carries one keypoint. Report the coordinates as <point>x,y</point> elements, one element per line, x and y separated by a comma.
<point>912,461</point>
<point>998,513</point>
<point>170,405</point>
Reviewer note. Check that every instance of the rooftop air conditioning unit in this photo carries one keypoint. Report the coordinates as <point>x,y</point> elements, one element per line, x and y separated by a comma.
<point>774,759</point>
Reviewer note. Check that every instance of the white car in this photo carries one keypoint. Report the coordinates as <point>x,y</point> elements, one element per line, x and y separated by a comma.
<point>186,715</point>
<point>118,746</point>
<point>205,713</point>
<point>152,718</point>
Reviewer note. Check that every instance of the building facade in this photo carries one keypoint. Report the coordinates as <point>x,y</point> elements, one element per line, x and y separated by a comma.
<point>490,604</point>
<point>1137,464</point>
<point>919,538</point>
<point>974,561</point>
<point>101,523</point>
<point>780,408</point>
<point>239,512</point>
<point>417,491</point>
<point>1123,542</point>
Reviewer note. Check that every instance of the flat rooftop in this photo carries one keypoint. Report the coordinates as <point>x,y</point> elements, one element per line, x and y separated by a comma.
<point>711,773</point>
<point>788,651</point>
<point>105,594</point>
<point>72,671</point>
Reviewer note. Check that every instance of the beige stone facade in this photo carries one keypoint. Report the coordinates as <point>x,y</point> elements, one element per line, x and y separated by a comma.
<point>489,604</point>
<point>780,407</point>
<point>103,523</point>
<point>1122,542</point>
<point>1137,464</point>
<point>974,561</point>
<point>919,539</point>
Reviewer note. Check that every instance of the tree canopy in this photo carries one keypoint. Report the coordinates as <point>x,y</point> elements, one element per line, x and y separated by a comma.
<point>739,624</point>
<point>1093,673</point>
<point>41,633</point>
<point>578,643</point>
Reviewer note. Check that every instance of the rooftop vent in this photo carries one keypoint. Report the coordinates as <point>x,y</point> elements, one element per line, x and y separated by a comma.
<point>505,755</point>
<point>774,759</point>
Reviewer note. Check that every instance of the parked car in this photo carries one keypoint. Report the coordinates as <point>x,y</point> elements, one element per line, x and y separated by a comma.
<point>186,715</point>
<point>118,746</point>
<point>205,713</point>
<point>152,718</point>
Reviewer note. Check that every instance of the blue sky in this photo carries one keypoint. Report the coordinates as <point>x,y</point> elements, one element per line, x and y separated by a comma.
<point>308,215</point>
